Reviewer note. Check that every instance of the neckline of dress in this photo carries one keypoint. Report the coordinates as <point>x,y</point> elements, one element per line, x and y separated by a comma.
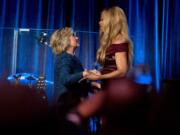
<point>119,43</point>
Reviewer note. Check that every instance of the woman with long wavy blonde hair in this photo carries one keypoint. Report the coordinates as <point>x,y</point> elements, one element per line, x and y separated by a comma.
<point>114,28</point>
<point>115,51</point>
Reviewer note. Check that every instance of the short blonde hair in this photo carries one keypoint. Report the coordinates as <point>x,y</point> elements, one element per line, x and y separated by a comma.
<point>59,40</point>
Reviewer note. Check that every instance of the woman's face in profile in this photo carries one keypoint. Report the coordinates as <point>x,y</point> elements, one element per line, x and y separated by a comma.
<point>101,24</point>
<point>73,40</point>
<point>104,21</point>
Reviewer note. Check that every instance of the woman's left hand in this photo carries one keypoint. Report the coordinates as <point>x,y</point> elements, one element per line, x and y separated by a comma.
<point>93,77</point>
<point>95,72</point>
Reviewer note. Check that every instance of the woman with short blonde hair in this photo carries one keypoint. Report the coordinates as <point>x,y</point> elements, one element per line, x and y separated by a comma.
<point>60,40</point>
<point>68,70</point>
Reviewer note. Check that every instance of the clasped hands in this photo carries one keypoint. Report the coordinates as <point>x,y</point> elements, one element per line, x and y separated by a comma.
<point>91,75</point>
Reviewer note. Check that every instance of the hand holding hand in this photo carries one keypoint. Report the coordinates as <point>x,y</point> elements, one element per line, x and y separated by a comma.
<point>91,75</point>
<point>96,72</point>
<point>85,73</point>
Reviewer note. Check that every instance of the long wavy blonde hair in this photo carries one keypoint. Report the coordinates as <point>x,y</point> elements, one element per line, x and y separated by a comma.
<point>59,40</point>
<point>116,21</point>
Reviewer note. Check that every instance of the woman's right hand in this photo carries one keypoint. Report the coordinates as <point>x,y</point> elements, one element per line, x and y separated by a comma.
<point>96,87</point>
<point>95,84</point>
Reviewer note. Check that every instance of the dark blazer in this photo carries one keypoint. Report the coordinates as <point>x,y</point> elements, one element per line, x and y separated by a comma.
<point>68,70</point>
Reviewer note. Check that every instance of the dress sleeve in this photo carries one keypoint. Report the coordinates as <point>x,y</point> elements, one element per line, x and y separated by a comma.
<point>123,47</point>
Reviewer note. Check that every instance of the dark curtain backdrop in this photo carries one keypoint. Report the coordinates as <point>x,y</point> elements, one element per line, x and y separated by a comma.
<point>153,26</point>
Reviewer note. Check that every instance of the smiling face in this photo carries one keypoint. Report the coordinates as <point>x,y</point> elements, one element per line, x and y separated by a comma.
<point>73,40</point>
